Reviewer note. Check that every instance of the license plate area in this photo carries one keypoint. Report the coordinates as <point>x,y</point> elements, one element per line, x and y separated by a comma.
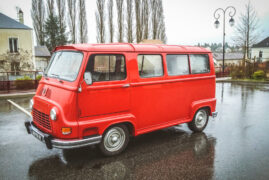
<point>37,135</point>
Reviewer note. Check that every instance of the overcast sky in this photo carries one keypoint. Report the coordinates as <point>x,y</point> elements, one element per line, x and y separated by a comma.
<point>187,22</point>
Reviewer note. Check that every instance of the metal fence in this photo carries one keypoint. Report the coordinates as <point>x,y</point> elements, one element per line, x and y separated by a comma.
<point>222,74</point>
<point>219,73</point>
<point>19,80</point>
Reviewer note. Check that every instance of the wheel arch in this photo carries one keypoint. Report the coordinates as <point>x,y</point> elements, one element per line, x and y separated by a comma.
<point>130,126</point>
<point>209,105</point>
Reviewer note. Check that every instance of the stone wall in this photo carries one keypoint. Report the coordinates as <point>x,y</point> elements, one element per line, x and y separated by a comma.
<point>21,61</point>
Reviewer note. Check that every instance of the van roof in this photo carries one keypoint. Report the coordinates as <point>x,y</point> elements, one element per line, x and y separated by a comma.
<point>128,47</point>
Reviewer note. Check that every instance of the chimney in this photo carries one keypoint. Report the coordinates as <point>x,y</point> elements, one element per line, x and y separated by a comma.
<point>20,16</point>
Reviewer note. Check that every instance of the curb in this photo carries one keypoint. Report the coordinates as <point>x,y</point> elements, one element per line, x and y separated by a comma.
<point>17,95</point>
<point>247,82</point>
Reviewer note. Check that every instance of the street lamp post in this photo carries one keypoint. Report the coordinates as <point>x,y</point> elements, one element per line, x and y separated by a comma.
<point>217,12</point>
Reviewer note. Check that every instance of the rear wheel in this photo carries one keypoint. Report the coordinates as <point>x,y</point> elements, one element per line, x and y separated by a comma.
<point>114,140</point>
<point>199,121</point>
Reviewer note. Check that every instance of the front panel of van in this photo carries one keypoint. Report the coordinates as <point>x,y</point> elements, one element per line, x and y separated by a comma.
<point>57,92</point>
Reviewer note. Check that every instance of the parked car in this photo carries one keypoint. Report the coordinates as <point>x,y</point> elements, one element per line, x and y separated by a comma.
<point>104,93</point>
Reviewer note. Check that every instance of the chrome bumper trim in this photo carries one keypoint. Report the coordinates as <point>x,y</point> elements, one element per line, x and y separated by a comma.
<point>64,144</point>
<point>59,143</point>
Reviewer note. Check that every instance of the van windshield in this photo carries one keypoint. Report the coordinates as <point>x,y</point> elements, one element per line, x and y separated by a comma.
<point>64,65</point>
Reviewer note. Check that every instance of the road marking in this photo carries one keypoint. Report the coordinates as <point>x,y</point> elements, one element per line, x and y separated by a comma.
<point>19,107</point>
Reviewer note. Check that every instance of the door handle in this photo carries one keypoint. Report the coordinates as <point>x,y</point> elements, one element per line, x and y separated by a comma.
<point>126,85</point>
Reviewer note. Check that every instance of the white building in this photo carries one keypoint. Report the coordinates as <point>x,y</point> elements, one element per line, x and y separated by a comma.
<point>232,58</point>
<point>261,50</point>
<point>42,57</point>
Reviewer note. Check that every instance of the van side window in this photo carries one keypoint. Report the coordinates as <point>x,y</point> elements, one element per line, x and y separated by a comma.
<point>177,64</point>
<point>150,65</point>
<point>107,67</point>
<point>199,63</point>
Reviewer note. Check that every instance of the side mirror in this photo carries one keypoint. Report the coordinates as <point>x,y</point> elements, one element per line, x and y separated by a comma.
<point>88,78</point>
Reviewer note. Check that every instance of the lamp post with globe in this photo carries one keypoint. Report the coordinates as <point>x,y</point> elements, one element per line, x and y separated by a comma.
<point>217,14</point>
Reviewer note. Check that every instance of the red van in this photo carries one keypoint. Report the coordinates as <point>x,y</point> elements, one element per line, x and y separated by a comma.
<point>104,93</point>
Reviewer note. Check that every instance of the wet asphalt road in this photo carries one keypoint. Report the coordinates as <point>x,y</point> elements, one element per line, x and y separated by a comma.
<point>235,145</point>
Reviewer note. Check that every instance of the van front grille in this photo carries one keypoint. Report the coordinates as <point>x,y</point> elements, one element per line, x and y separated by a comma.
<point>42,119</point>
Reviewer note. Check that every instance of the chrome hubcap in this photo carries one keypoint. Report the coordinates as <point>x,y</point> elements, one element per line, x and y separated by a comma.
<point>200,119</point>
<point>114,139</point>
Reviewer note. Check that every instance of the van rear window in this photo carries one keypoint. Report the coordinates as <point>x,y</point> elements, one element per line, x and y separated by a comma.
<point>107,67</point>
<point>150,65</point>
<point>177,64</point>
<point>199,63</point>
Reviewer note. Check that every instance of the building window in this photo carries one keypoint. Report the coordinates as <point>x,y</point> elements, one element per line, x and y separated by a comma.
<point>260,54</point>
<point>13,45</point>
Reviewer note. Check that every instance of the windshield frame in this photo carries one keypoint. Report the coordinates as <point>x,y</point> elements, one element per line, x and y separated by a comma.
<point>51,61</point>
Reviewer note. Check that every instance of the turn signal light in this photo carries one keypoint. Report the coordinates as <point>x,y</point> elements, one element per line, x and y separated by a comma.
<point>66,130</point>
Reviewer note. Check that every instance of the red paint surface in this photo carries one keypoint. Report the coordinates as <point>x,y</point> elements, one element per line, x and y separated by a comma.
<point>148,104</point>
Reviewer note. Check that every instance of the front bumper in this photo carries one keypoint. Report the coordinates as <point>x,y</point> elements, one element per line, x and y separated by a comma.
<point>59,143</point>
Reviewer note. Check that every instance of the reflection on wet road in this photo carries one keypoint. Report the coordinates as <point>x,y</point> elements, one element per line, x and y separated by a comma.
<point>235,145</point>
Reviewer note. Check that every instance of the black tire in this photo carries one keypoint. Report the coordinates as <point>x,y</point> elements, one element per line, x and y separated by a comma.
<point>198,125</point>
<point>114,140</point>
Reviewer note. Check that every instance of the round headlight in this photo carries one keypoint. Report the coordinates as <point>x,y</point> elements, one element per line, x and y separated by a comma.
<point>53,114</point>
<point>31,104</point>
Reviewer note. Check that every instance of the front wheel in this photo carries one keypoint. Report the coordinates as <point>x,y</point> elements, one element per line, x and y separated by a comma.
<point>114,140</point>
<point>199,121</point>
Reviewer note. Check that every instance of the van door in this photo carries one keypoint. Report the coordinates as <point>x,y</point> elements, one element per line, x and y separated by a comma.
<point>109,93</point>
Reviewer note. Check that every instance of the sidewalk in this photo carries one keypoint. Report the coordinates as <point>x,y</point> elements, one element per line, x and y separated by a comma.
<point>223,79</point>
<point>17,94</point>
<point>229,80</point>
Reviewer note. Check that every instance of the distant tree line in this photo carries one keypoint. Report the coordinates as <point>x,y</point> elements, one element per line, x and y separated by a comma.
<point>217,47</point>
<point>52,19</point>
<point>129,20</point>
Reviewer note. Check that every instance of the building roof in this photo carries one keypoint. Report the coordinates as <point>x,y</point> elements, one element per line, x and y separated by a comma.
<point>229,56</point>
<point>9,23</point>
<point>127,47</point>
<point>42,51</point>
<point>263,43</point>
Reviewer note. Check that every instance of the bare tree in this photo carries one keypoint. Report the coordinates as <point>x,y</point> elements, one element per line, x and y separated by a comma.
<point>50,5</point>
<point>38,17</point>
<point>161,33</point>
<point>155,17</point>
<point>120,10</point>
<point>110,20</point>
<point>100,20</point>
<point>138,12</point>
<point>145,19</point>
<point>157,21</point>
<point>246,29</point>
<point>61,6</point>
<point>83,31</point>
<point>72,19</point>
<point>130,21</point>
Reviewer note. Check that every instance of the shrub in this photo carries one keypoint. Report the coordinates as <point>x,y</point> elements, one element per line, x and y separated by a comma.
<point>237,72</point>
<point>24,78</point>
<point>24,83</point>
<point>38,77</point>
<point>258,75</point>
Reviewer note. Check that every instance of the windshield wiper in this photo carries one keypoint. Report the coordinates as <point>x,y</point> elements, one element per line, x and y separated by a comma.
<point>58,77</point>
<point>55,75</point>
